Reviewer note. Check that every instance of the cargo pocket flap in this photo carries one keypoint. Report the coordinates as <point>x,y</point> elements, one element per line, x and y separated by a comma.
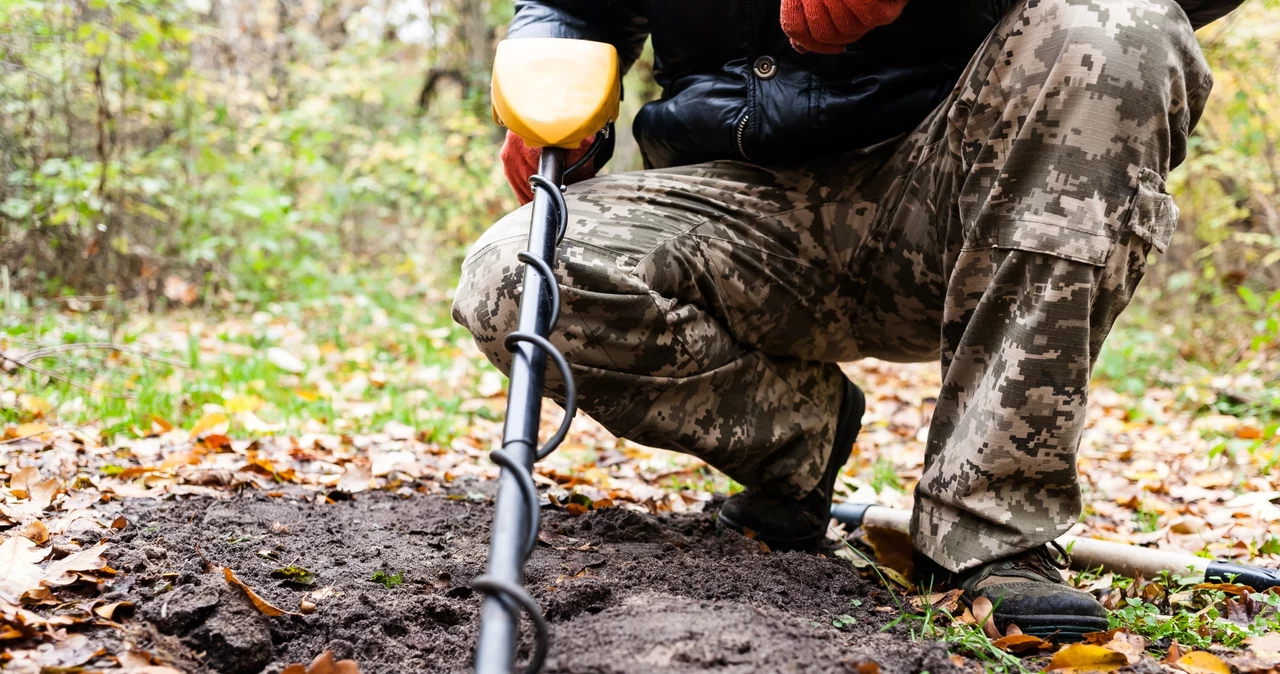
<point>1154,215</point>
<point>1044,235</point>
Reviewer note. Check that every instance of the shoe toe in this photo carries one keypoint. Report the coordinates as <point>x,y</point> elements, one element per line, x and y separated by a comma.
<point>777,521</point>
<point>1047,610</point>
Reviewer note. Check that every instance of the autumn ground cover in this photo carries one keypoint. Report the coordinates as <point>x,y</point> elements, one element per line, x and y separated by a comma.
<point>330,454</point>
<point>238,429</point>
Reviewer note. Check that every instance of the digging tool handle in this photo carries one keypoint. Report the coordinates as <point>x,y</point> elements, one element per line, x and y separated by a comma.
<point>1090,553</point>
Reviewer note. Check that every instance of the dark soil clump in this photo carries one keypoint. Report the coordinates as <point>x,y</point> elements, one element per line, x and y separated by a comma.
<point>623,591</point>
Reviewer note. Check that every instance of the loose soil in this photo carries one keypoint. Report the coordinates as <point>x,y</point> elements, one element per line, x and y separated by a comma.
<point>624,592</point>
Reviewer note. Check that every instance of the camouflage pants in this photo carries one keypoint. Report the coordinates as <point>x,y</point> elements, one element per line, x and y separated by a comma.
<point>705,306</point>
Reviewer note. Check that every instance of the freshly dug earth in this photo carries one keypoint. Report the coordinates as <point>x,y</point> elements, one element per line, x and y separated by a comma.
<point>623,591</point>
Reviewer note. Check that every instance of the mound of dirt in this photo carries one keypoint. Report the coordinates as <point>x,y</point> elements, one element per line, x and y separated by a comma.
<point>624,591</point>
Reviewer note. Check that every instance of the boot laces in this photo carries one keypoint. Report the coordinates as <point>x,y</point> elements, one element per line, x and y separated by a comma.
<point>1047,558</point>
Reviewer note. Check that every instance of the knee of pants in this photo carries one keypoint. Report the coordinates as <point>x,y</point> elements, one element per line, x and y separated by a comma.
<point>1143,52</point>
<point>486,301</point>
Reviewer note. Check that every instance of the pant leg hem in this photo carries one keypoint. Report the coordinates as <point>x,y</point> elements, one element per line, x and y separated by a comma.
<point>959,540</point>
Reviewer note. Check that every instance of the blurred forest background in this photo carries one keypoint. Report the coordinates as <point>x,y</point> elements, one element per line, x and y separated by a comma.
<point>231,155</point>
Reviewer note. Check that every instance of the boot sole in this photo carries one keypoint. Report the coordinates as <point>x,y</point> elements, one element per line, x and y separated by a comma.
<point>1064,629</point>
<point>1058,628</point>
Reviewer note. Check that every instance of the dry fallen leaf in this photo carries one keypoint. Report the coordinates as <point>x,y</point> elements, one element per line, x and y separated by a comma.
<point>984,613</point>
<point>323,594</point>
<point>108,611</point>
<point>69,654</point>
<point>1021,643</point>
<point>141,662</point>
<point>39,407</point>
<point>263,606</point>
<point>1082,658</point>
<point>1228,588</point>
<point>966,617</point>
<point>324,664</point>
<point>1133,646</point>
<point>28,430</point>
<point>36,531</point>
<point>19,571</point>
<point>21,481</point>
<point>355,478</point>
<point>26,484</point>
<point>211,424</point>
<point>285,361</point>
<point>947,602</point>
<point>895,577</point>
<point>892,548</point>
<point>1202,662</point>
<point>61,572</point>
<point>1265,648</point>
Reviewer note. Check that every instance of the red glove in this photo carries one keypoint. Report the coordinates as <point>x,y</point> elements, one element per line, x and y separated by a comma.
<point>520,161</point>
<point>828,26</point>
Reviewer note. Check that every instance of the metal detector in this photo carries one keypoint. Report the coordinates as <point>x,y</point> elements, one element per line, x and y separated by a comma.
<point>554,93</point>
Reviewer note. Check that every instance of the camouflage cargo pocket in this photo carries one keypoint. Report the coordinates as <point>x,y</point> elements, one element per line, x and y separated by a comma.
<point>1087,231</point>
<point>1083,233</point>
<point>1154,215</point>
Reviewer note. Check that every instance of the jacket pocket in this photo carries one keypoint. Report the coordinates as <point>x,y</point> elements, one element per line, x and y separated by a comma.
<point>1154,216</point>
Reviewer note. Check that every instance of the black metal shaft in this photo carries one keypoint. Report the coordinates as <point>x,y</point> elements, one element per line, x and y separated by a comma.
<point>499,625</point>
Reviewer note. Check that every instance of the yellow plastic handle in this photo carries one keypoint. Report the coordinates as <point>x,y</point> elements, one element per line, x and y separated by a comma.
<point>555,92</point>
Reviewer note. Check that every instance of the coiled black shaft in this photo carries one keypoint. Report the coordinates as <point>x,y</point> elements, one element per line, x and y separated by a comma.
<point>513,597</point>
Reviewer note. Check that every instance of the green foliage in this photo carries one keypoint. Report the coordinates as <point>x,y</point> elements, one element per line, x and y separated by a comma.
<point>1229,187</point>
<point>386,580</point>
<point>262,158</point>
<point>1148,521</point>
<point>1209,305</point>
<point>296,574</point>
<point>1200,622</point>
<point>144,138</point>
<point>885,476</point>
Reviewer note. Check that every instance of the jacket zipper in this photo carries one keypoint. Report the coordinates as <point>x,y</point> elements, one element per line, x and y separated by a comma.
<point>742,129</point>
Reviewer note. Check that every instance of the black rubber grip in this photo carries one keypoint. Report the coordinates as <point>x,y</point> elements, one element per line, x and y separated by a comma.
<point>1256,577</point>
<point>850,514</point>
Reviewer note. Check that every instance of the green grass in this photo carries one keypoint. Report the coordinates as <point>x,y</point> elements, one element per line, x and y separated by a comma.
<point>1148,521</point>
<point>403,345</point>
<point>884,475</point>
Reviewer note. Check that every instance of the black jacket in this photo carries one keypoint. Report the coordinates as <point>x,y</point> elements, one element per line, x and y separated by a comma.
<point>733,88</point>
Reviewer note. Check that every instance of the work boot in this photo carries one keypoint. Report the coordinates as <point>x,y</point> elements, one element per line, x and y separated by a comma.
<point>1026,590</point>
<point>788,523</point>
